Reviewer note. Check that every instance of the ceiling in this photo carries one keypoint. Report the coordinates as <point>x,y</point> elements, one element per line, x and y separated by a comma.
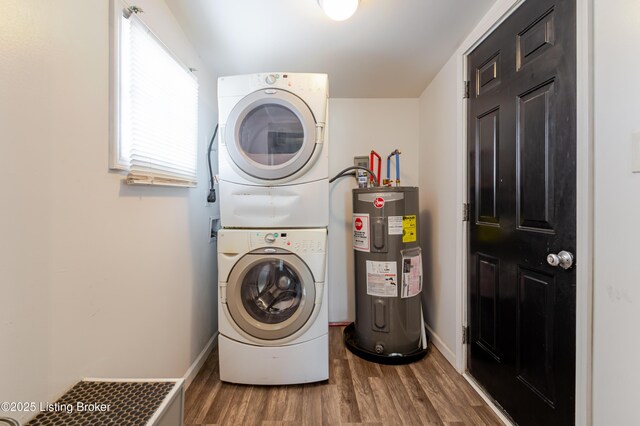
<point>388,49</point>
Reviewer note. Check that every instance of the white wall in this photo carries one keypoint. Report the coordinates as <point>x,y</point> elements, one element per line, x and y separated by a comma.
<point>98,278</point>
<point>438,205</point>
<point>356,126</point>
<point>617,212</point>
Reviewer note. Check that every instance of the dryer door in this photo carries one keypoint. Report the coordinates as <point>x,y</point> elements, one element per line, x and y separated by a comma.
<point>271,134</point>
<point>271,296</point>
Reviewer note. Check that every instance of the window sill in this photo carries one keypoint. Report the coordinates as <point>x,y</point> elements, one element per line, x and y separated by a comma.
<point>158,181</point>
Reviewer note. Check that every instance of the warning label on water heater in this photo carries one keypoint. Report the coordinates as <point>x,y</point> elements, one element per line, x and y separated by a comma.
<point>409,229</point>
<point>361,231</point>
<point>411,278</point>
<point>382,279</point>
<point>395,225</point>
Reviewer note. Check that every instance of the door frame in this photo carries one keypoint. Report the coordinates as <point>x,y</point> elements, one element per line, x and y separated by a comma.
<point>501,10</point>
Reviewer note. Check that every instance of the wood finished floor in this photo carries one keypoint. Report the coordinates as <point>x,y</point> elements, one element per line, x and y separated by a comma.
<point>358,392</point>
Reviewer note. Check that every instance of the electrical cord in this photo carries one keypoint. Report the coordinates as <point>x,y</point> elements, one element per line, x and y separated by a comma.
<point>211,198</point>
<point>343,173</point>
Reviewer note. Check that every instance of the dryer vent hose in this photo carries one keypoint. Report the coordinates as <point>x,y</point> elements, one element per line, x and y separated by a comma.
<point>344,173</point>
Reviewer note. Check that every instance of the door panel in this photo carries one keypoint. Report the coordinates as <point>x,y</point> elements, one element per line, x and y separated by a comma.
<point>535,332</point>
<point>534,40</point>
<point>487,167</point>
<point>535,168</point>
<point>488,271</point>
<point>488,74</point>
<point>522,187</point>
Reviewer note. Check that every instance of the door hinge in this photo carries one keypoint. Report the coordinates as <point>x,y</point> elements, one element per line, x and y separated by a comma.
<point>465,334</point>
<point>467,90</point>
<point>465,212</point>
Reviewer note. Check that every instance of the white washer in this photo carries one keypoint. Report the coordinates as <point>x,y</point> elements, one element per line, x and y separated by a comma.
<point>273,150</point>
<point>272,310</point>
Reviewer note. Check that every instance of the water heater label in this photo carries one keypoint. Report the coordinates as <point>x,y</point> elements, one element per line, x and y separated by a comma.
<point>409,234</point>
<point>382,279</point>
<point>395,225</point>
<point>361,232</point>
<point>411,282</point>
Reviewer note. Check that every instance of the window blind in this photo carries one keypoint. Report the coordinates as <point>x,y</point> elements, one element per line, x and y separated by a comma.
<point>158,110</point>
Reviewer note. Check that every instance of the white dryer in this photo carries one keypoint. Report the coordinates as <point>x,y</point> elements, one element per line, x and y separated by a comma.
<point>272,310</point>
<point>273,150</point>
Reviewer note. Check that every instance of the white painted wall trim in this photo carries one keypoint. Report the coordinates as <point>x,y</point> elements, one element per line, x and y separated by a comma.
<point>195,368</point>
<point>585,207</point>
<point>584,269</point>
<point>442,347</point>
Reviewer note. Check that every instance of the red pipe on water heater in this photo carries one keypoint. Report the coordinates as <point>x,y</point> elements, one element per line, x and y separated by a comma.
<point>371,164</point>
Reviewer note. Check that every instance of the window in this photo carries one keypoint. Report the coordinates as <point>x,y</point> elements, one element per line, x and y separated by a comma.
<point>155,109</point>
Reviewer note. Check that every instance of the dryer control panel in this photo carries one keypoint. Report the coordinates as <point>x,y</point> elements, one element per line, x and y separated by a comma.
<point>292,241</point>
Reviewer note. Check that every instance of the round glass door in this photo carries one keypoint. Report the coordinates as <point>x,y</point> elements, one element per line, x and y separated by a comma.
<point>271,134</point>
<point>270,296</point>
<point>271,291</point>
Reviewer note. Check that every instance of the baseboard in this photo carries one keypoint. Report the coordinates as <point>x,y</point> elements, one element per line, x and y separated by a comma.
<point>442,347</point>
<point>193,371</point>
<point>506,420</point>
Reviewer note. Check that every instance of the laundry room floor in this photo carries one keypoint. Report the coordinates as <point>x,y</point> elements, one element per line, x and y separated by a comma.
<point>358,392</point>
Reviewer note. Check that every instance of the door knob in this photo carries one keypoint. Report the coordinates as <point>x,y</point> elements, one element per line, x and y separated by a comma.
<point>564,259</point>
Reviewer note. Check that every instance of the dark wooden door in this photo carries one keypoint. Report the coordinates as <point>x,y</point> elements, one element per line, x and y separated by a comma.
<point>522,193</point>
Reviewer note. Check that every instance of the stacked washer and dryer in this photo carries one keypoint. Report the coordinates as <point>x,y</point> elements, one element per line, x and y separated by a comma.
<point>272,250</point>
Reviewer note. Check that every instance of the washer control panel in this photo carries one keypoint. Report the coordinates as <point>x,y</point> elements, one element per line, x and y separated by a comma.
<point>292,241</point>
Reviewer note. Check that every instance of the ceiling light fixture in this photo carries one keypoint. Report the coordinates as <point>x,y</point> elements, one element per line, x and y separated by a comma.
<point>339,10</point>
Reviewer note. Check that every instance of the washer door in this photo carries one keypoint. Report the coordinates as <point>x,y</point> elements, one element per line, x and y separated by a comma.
<point>271,134</point>
<point>270,296</point>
